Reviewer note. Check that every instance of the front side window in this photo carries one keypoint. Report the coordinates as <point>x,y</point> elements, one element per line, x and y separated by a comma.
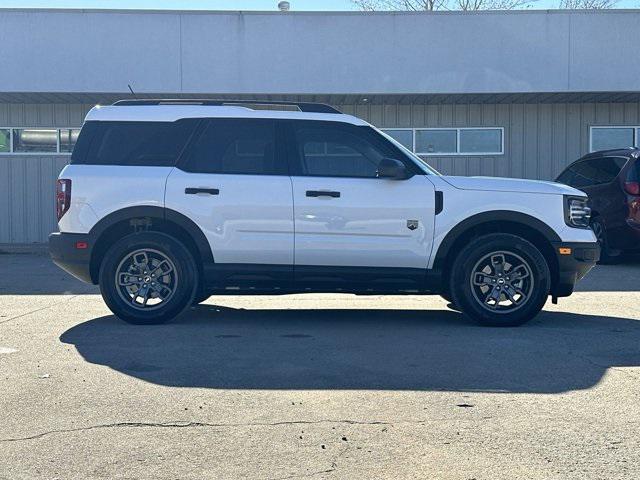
<point>236,146</point>
<point>35,140</point>
<point>132,143</point>
<point>338,150</point>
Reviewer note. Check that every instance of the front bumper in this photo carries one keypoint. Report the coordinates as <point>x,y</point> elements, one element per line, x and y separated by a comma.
<point>574,265</point>
<point>65,252</point>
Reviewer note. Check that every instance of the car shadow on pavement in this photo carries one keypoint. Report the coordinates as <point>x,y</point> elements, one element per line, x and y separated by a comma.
<point>220,347</point>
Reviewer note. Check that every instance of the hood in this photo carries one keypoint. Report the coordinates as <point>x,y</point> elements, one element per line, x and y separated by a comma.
<point>516,185</point>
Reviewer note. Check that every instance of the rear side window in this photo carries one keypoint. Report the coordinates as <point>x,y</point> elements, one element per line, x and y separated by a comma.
<point>596,171</point>
<point>236,146</point>
<point>132,143</point>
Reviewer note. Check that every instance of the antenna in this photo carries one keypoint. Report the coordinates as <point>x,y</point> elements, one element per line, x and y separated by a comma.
<point>131,90</point>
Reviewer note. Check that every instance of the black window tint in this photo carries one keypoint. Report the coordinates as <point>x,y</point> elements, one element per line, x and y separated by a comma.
<point>132,143</point>
<point>566,177</point>
<point>238,146</point>
<point>337,150</point>
<point>582,176</point>
<point>597,171</point>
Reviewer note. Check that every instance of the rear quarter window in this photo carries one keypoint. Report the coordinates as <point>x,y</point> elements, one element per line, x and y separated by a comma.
<point>132,143</point>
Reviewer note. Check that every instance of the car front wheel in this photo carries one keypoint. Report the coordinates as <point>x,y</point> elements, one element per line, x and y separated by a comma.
<point>148,278</point>
<point>500,280</point>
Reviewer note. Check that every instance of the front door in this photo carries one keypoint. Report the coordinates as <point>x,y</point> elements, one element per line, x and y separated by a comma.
<point>234,184</point>
<point>352,226</point>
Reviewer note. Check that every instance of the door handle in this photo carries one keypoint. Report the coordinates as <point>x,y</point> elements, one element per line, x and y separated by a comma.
<point>195,191</point>
<point>322,193</point>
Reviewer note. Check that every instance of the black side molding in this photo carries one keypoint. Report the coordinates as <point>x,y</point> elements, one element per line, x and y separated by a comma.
<point>439,202</point>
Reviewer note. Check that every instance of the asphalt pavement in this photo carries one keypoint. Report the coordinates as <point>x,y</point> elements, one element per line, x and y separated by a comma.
<point>316,386</point>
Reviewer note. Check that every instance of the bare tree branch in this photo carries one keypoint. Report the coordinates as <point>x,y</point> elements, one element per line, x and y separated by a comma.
<point>587,4</point>
<point>467,5</point>
<point>472,5</point>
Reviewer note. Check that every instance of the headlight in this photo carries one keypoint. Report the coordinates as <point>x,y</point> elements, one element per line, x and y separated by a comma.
<point>577,213</point>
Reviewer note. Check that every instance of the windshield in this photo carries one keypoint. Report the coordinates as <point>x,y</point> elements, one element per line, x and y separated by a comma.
<point>428,169</point>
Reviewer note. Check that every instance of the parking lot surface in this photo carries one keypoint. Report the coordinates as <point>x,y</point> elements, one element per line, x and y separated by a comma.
<point>316,386</point>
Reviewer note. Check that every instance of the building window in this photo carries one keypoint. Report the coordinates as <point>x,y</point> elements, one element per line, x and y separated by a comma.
<point>32,140</point>
<point>68,139</point>
<point>5,140</point>
<point>403,136</point>
<point>608,138</point>
<point>450,141</point>
<point>478,141</point>
<point>37,141</point>
<point>437,141</point>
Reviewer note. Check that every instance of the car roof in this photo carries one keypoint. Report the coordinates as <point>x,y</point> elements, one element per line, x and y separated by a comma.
<point>172,110</point>
<point>620,152</point>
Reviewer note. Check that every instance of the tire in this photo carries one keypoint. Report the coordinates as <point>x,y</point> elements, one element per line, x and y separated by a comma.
<point>123,277</point>
<point>607,255</point>
<point>480,281</point>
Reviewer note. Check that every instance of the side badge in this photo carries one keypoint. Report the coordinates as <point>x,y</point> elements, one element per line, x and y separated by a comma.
<point>412,224</point>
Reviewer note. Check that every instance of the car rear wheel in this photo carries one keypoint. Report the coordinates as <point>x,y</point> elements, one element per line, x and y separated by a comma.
<point>148,278</point>
<point>500,280</point>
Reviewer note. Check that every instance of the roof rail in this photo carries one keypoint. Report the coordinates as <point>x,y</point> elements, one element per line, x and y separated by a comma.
<point>302,106</point>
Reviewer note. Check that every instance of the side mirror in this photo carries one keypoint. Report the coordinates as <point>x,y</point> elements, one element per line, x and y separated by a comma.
<point>392,169</point>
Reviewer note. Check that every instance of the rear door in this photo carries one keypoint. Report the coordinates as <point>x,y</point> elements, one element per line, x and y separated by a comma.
<point>350,225</point>
<point>233,183</point>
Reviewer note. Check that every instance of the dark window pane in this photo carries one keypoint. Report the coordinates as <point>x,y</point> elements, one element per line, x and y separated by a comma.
<point>337,151</point>
<point>597,171</point>
<point>610,138</point>
<point>5,140</point>
<point>405,137</point>
<point>566,177</point>
<point>582,175</point>
<point>137,143</point>
<point>68,139</point>
<point>436,141</point>
<point>481,140</point>
<point>236,146</point>
<point>35,140</point>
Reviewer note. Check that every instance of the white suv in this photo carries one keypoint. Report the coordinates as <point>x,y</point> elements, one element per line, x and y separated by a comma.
<point>168,202</point>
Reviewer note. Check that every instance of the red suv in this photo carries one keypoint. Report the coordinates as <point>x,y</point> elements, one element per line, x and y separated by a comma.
<point>611,178</point>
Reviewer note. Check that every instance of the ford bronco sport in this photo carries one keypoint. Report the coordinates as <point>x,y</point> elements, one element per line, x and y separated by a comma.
<point>166,202</point>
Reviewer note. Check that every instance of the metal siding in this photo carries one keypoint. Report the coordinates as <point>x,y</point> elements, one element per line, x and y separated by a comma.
<point>27,182</point>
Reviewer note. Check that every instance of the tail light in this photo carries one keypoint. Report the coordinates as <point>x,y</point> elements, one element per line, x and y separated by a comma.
<point>63,196</point>
<point>632,188</point>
